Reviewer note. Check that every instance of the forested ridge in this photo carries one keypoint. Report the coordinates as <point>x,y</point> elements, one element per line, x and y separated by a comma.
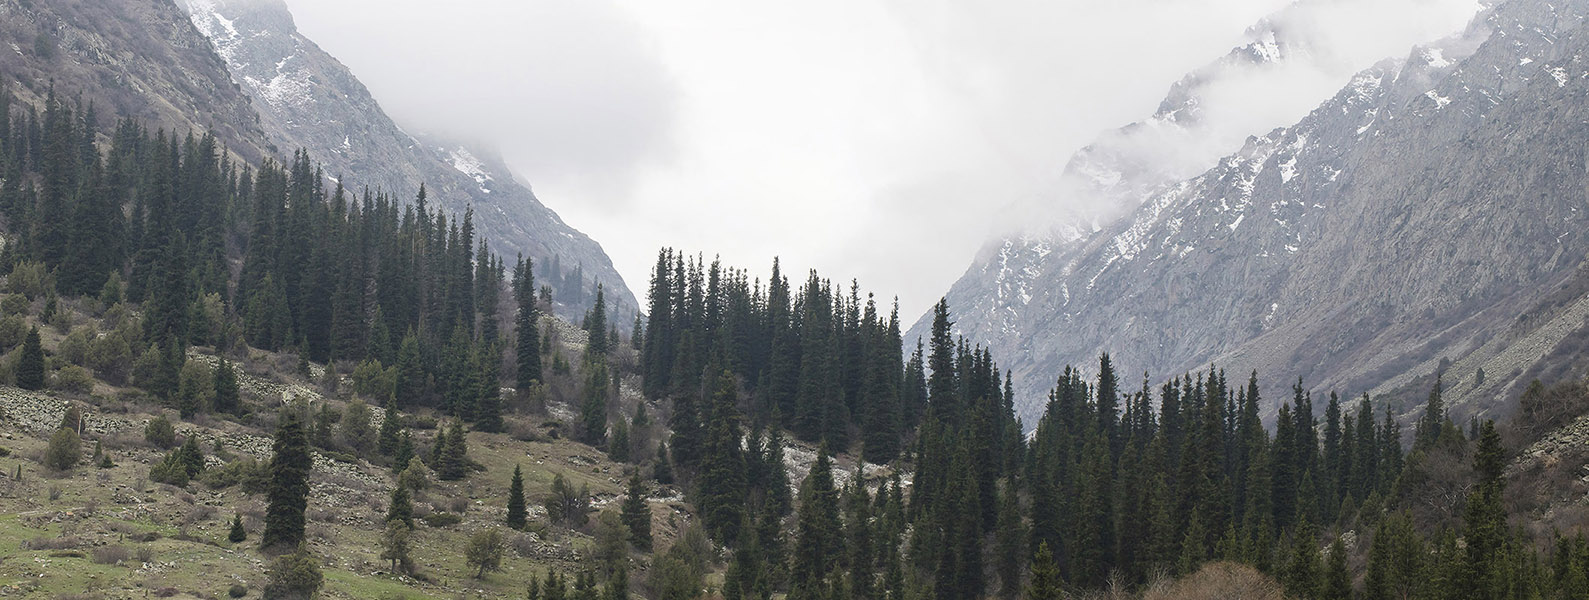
<point>1118,485</point>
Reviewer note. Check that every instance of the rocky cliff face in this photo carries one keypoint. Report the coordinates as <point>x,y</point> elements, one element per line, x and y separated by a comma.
<point>129,58</point>
<point>1427,217</point>
<point>307,99</point>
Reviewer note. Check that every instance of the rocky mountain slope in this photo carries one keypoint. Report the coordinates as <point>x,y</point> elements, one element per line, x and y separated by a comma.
<point>1426,217</point>
<point>138,59</point>
<point>307,99</point>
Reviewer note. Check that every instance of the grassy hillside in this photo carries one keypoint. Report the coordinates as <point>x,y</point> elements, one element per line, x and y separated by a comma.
<point>112,533</point>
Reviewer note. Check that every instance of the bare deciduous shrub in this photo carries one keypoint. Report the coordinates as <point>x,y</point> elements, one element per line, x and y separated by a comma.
<point>320,532</point>
<point>199,514</point>
<point>323,515</point>
<point>110,555</point>
<point>1218,581</point>
<point>55,543</point>
<point>525,544</point>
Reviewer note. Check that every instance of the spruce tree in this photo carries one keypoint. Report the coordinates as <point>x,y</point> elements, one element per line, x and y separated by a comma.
<point>237,534</point>
<point>516,512</point>
<point>1430,425</point>
<point>227,397</point>
<point>525,327</point>
<point>722,480</point>
<point>386,440</point>
<point>618,446</point>
<point>30,367</point>
<point>1337,579</point>
<point>593,407</point>
<point>818,541</point>
<point>636,514</point>
<point>1046,584</point>
<point>687,431</point>
<point>410,371</point>
<point>1484,519</point>
<point>401,506</point>
<point>1011,549</point>
<point>1302,573</point>
<point>404,454</point>
<point>452,462</point>
<point>663,470</point>
<point>288,491</point>
<point>596,325</point>
<point>488,407</point>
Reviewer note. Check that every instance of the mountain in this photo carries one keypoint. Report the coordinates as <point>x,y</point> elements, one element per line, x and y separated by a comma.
<point>1423,218</point>
<point>307,99</point>
<point>135,59</point>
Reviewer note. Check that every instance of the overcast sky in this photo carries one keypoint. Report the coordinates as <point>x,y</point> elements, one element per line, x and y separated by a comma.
<point>885,140</point>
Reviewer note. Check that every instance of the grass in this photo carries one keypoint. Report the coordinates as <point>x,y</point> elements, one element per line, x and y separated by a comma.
<point>120,507</point>
<point>344,529</point>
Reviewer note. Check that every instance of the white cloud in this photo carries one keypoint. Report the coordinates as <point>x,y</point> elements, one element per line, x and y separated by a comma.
<point>879,139</point>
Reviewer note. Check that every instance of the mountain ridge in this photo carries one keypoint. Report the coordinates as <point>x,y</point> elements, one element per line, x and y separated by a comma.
<point>308,99</point>
<point>1268,261</point>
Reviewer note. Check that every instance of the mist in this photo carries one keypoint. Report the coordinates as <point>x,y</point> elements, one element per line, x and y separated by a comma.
<point>882,140</point>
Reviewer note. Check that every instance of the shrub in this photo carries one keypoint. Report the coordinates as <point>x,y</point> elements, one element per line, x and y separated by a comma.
<point>294,576</point>
<point>12,329</point>
<point>75,379</point>
<point>110,356</point>
<point>1219,580</point>
<point>195,388</point>
<point>160,432</point>
<point>74,348</point>
<point>146,368</point>
<point>252,475</point>
<point>484,552</point>
<point>54,543</point>
<point>170,470</point>
<point>356,430</point>
<point>237,590</point>
<point>525,544</point>
<point>31,279</point>
<point>110,293</point>
<point>145,554</point>
<point>395,546</point>
<point>370,380</point>
<point>65,450</point>
<point>567,505</point>
<point>14,305</point>
<point>110,555</point>
<point>416,476</point>
<point>442,519</point>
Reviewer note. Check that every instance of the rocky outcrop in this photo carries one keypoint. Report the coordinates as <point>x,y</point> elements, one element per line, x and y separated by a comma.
<point>129,58</point>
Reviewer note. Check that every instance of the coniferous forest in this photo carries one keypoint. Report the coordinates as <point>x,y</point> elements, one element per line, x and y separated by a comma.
<point>1123,481</point>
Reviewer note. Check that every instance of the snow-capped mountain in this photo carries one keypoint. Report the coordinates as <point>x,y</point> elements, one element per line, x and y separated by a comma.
<point>307,99</point>
<point>1425,218</point>
<point>1105,180</point>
